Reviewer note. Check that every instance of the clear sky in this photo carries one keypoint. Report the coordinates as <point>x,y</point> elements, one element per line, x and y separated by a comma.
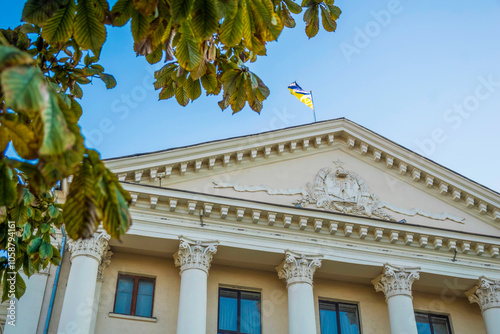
<point>423,74</point>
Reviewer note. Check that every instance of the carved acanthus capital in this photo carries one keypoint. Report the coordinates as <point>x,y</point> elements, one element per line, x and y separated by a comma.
<point>195,254</point>
<point>298,268</point>
<point>105,262</point>
<point>486,293</point>
<point>93,247</point>
<point>396,280</point>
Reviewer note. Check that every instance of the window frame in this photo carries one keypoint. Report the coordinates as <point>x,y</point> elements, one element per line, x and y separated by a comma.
<point>429,317</point>
<point>135,290</point>
<point>238,304</point>
<point>337,312</point>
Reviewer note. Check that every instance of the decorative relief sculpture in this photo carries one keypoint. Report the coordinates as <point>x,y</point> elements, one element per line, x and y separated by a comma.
<point>486,293</point>
<point>396,280</point>
<point>195,254</point>
<point>342,191</point>
<point>298,268</point>
<point>105,262</point>
<point>93,247</point>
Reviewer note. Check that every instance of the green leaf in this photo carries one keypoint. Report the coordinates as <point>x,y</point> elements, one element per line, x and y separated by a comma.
<point>90,33</point>
<point>181,9</point>
<point>167,91</point>
<point>45,250</point>
<point>19,214</point>
<point>53,211</point>
<point>27,231</point>
<point>37,12</point>
<point>328,23</point>
<point>77,91</point>
<point>57,138</point>
<point>58,29</point>
<point>108,79</point>
<point>155,56</point>
<point>23,139</point>
<point>334,11</point>
<point>27,197</point>
<point>231,30</point>
<point>205,18</point>
<point>293,7</point>
<point>209,82</point>
<point>312,26</point>
<point>81,212</point>
<point>28,267</point>
<point>34,245</point>
<point>116,218</point>
<point>188,53</point>
<point>45,227</point>
<point>101,9</point>
<point>121,12</point>
<point>20,286</point>
<point>181,95</point>
<point>24,89</point>
<point>193,88</point>
<point>140,24</point>
<point>4,138</point>
<point>11,56</point>
<point>8,191</point>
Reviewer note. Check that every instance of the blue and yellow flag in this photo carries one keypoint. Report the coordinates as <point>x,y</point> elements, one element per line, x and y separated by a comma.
<point>302,95</point>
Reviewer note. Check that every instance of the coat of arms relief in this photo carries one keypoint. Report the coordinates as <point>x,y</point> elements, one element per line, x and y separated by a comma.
<point>340,190</point>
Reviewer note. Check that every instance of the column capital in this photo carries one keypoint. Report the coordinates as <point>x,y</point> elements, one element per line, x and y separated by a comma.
<point>94,247</point>
<point>195,254</point>
<point>396,280</point>
<point>298,268</point>
<point>105,262</point>
<point>486,293</point>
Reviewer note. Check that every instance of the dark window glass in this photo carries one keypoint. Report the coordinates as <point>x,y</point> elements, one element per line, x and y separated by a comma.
<point>338,318</point>
<point>134,295</point>
<point>432,324</point>
<point>239,312</point>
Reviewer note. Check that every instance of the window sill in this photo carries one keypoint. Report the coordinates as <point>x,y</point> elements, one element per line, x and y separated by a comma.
<point>131,317</point>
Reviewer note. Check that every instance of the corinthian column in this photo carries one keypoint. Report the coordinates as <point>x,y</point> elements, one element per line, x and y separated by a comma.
<point>86,256</point>
<point>396,283</point>
<point>487,294</point>
<point>298,271</point>
<point>194,259</point>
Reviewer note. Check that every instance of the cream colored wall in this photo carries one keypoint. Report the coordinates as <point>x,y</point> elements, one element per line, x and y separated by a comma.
<point>297,172</point>
<point>166,298</point>
<point>465,318</point>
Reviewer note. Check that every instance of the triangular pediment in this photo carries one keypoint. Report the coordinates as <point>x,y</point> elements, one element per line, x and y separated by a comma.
<point>335,166</point>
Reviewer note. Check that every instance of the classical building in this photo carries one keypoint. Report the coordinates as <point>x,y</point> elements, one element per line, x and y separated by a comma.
<point>321,228</point>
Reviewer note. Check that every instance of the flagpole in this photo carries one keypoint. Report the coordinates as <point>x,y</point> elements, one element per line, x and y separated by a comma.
<point>314,111</point>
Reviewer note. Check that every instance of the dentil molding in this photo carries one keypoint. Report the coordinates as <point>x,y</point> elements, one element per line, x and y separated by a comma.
<point>195,254</point>
<point>486,293</point>
<point>298,268</point>
<point>396,280</point>
<point>94,247</point>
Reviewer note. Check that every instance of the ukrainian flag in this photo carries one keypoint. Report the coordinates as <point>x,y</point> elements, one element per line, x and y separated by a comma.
<point>302,95</point>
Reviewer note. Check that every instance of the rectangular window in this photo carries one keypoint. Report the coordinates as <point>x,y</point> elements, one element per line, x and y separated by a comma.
<point>338,318</point>
<point>134,295</point>
<point>239,312</point>
<point>432,324</point>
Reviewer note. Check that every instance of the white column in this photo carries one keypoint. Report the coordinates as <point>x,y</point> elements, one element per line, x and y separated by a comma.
<point>194,259</point>
<point>86,256</point>
<point>487,294</point>
<point>298,271</point>
<point>396,283</point>
<point>106,260</point>
<point>29,307</point>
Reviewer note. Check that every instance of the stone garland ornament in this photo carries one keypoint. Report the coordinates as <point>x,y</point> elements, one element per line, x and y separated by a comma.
<point>298,268</point>
<point>195,254</point>
<point>342,191</point>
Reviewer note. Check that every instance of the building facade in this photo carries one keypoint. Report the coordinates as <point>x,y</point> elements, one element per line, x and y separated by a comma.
<point>322,228</point>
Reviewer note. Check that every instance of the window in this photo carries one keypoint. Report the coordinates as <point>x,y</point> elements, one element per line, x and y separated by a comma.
<point>338,318</point>
<point>432,324</point>
<point>239,312</point>
<point>134,295</point>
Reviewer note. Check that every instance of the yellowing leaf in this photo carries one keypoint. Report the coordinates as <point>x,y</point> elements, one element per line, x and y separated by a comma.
<point>24,89</point>
<point>58,29</point>
<point>23,139</point>
<point>90,33</point>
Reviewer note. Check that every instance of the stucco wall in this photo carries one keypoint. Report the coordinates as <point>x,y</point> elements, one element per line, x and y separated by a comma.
<point>465,318</point>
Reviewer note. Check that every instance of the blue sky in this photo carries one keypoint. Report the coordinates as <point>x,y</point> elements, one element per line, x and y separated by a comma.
<point>423,74</point>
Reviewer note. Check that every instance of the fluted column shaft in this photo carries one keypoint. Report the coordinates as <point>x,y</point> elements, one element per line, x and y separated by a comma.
<point>486,293</point>
<point>298,271</point>
<point>86,256</point>
<point>396,283</point>
<point>194,259</point>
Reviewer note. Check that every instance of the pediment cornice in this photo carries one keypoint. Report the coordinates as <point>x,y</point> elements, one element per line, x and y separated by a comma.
<point>192,161</point>
<point>150,199</point>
